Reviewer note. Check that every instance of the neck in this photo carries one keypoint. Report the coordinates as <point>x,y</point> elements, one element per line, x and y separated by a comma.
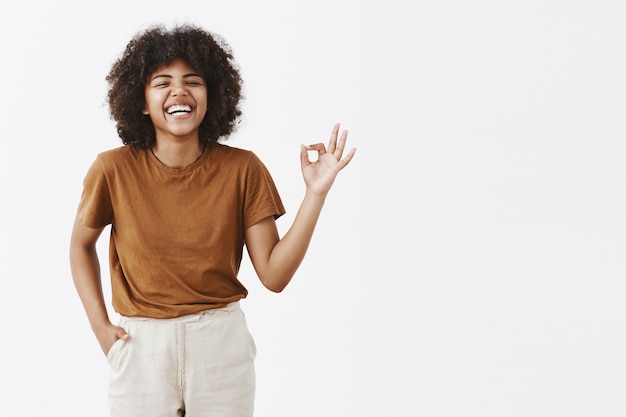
<point>178,155</point>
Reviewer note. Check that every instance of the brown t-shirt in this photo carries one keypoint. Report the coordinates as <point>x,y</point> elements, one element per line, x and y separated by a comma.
<point>177,235</point>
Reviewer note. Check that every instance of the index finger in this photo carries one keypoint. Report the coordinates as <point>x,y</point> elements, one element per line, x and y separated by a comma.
<point>319,147</point>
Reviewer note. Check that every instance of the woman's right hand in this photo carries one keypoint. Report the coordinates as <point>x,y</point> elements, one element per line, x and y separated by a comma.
<point>108,335</point>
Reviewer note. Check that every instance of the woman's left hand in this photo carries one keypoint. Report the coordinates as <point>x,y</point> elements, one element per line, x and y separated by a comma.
<point>320,175</point>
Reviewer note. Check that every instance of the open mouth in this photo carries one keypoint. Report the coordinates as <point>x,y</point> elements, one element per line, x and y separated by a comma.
<point>178,109</point>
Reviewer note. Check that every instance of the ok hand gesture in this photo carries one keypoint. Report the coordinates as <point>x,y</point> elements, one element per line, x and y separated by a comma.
<point>320,175</point>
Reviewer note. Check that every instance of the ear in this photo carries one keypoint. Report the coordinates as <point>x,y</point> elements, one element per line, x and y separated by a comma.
<point>145,111</point>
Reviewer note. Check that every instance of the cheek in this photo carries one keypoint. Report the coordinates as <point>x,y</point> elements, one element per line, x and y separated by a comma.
<point>146,101</point>
<point>204,109</point>
<point>153,101</point>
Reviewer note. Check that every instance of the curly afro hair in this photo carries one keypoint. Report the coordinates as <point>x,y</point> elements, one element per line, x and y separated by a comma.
<point>156,48</point>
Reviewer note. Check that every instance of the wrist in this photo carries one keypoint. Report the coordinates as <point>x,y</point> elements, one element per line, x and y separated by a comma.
<point>99,323</point>
<point>315,195</point>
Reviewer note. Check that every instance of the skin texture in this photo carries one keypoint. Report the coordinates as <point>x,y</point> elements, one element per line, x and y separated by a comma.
<point>177,145</point>
<point>155,49</point>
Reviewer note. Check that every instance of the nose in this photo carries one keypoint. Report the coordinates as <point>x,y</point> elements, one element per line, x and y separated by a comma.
<point>178,90</point>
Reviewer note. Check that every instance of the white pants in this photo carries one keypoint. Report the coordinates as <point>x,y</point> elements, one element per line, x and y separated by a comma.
<point>201,365</point>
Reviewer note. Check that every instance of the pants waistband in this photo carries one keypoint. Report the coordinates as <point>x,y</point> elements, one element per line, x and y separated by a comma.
<point>190,317</point>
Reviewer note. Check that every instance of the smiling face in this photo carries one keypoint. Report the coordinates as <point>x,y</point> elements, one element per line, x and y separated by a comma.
<point>176,101</point>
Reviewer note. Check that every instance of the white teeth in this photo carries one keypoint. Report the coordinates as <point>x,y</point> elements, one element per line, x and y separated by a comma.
<point>179,108</point>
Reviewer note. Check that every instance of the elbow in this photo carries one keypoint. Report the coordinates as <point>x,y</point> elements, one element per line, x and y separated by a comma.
<point>275,284</point>
<point>274,287</point>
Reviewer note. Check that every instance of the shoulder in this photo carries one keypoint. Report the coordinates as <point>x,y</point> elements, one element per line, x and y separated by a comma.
<point>119,154</point>
<point>122,156</point>
<point>233,155</point>
<point>118,161</point>
<point>232,151</point>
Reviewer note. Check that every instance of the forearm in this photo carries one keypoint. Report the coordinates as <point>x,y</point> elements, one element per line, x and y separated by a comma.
<point>86,275</point>
<point>276,260</point>
<point>288,253</point>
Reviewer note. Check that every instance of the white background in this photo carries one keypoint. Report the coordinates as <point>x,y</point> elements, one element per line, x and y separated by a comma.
<point>469,262</point>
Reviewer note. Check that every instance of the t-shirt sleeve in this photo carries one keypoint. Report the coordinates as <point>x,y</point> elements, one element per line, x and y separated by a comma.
<point>95,209</point>
<point>261,198</point>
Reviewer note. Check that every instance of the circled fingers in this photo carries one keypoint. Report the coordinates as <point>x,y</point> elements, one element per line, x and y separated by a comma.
<point>319,147</point>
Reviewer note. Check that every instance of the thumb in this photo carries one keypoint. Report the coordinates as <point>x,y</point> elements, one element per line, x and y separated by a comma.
<point>304,156</point>
<point>121,334</point>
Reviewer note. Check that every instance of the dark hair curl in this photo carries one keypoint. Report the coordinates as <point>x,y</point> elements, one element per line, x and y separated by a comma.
<point>156,48</point>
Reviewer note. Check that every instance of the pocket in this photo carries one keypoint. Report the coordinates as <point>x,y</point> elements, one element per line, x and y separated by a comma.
<point>251,343</point>
<point>114,350</point>
<point>115,346</point>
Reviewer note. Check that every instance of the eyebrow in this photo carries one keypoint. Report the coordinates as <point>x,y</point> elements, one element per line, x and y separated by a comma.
<point>192,74</point>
